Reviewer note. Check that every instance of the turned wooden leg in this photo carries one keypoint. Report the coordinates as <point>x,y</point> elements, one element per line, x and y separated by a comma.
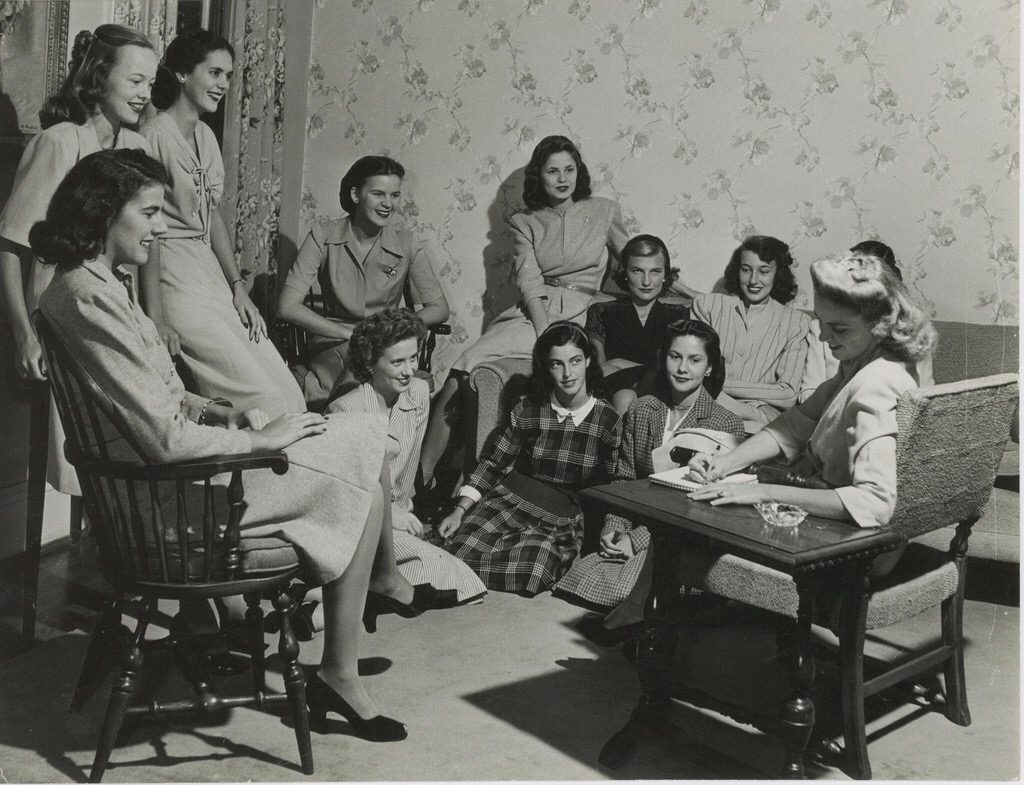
<point>38,435</point>
<point>851,665</point>
<point>294,679</point>
<point>109,637</point>
<point>121,693</point>
<point>798,712</point>
<point>254,620</point>
<point>655,655</point>
<point>953,633</point>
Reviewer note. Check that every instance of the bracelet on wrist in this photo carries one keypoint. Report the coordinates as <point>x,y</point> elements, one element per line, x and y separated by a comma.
<point>236,281</point>
<point>202,413</point>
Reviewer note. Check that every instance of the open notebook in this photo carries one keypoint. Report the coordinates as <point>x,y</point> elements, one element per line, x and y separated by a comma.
<point>680,478</point>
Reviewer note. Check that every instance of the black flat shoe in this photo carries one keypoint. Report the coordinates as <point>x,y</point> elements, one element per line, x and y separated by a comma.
<point>321,698</point>
<point>424,595</point>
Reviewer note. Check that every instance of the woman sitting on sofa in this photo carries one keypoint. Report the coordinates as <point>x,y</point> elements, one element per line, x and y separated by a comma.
<point>763,338</point>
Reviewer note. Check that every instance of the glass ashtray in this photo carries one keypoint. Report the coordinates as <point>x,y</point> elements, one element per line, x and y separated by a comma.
<point>780,514</point>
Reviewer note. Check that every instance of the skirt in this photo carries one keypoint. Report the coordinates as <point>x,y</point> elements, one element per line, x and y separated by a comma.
<point>517,545</point>
<point>601,581</point>
<point>214,344</point>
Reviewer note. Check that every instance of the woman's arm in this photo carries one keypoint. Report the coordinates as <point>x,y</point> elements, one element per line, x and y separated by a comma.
<point>528,274</point>
<point>28,355</point>
<point>711,467</point>
<point>537,312</point>
<point>788,371</point>
<point>300,279</point>
<point>434,312</point>
<point>825,503</point>
<point>246,309</point>
<point>152,299</point>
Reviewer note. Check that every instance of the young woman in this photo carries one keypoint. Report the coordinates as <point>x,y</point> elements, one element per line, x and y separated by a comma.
<point>517,521</point>
<point>383,355</point>
<point>331,504</point>
<point>192,289</point>
<point>691,374</point>
<point>626,333</point>
<point>363,265</point>
<point>845,433</point>
<point>561,250</point>
<point>110,75</point>
<point>763,339</point>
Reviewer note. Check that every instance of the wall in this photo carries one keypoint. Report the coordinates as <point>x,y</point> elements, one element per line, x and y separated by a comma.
<point>819,122</point>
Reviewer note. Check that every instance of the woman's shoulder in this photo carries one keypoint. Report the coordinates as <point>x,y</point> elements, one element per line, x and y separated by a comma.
<point>352,401</point>
<point>419,391</point>
<point>329,232</point>
<point>886,371</point>
<point>605,413</point>
<point>156,126</point>
<point>646,408</point>
<point>59,140</point>
<point>799,319</point>
<point>133,140</point>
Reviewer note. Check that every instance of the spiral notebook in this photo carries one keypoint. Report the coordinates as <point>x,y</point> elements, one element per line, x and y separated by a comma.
<point>680,478</point>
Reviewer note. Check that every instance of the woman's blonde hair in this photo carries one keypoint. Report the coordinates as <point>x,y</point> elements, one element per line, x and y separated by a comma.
<point>864,284</point>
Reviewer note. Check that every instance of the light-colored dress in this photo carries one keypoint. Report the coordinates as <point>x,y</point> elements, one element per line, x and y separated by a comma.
<point>197,300</point>
<point>764,347</point>
<point>570,243</point>
<point>320,505</point>
<point>48,157</point>
<point>418,561</point>
<point>606,582</point>
<point>354,288</point>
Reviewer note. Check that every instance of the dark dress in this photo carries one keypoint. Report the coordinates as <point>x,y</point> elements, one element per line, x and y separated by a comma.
<point>527,527</point>
<point>617,325</point>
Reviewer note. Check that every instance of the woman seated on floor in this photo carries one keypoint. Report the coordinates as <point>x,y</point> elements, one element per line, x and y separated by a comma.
<point>383,356</point>
<point>763,339</point>
<point>844,436</point>
<point>692,372</point>
<point>523,524</point>
<point>362,264</point>
<point>626,333</point>
<point>332,503</point>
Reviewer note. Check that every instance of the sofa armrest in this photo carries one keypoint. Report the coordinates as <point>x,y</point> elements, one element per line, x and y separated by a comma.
<point>493,388</point>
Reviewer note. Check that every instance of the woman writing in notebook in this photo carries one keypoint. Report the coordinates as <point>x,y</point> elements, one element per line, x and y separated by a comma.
<point>845,433</point>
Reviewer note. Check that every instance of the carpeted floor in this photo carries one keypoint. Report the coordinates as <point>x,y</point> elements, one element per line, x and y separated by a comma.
<point>507,690</point>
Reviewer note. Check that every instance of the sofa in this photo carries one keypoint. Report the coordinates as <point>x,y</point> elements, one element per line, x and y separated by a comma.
<point>965,351</point>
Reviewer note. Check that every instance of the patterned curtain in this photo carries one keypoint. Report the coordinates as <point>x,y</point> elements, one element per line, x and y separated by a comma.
<point>253,139</point>
<point>155,18</point>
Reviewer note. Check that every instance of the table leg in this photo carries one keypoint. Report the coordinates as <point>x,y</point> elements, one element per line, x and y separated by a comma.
<point>655,655</point>
<point>798,712</point>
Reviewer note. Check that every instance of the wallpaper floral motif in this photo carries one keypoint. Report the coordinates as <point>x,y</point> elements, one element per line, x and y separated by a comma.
<point>820,122</point>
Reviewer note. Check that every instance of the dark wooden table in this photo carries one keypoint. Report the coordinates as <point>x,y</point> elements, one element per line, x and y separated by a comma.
<point>820,553</point>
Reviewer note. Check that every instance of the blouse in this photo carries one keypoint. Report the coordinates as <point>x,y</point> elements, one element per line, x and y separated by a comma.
<point>764,346</point>
<point>617,325</point>
<point>570,241</point>
<point>847,429</point>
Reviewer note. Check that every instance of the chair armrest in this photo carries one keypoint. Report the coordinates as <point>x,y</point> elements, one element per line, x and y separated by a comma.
<point>277,462</point>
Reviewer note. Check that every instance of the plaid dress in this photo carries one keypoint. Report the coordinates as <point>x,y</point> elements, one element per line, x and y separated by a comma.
<point>607,582</point>
<point>512,543</point>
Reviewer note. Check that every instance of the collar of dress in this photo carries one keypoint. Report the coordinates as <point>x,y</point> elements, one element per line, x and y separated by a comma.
<point>578,415</point>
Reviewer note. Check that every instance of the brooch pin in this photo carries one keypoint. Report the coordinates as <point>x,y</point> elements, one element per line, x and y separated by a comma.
<point>586,220</point>
<point>390,272</point>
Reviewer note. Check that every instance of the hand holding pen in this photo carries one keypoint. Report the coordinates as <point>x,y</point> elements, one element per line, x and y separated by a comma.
<point>707,467</point>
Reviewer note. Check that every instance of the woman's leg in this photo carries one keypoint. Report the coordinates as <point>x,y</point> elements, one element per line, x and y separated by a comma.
<point>385,578</point>
<point>439,429</point>
<point>344,599</point>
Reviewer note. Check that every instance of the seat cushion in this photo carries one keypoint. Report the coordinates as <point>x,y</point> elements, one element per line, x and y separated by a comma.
<point>264,555</point>
<point>922,579</point>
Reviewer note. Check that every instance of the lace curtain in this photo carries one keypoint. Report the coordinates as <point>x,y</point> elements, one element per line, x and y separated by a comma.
<point>155,18</point>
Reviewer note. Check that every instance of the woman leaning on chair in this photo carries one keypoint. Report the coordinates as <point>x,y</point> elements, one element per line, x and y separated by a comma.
<point>331,505</point>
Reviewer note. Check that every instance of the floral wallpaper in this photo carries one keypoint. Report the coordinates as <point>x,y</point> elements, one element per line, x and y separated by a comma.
<point>822,122</point>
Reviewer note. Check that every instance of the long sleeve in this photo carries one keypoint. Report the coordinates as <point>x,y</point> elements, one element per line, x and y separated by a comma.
<point>788,372</point>
<point>145,401</point>
<point>496,463</point>
<point>635,424</point>
<point>819,364</point>
<point>524,259</point>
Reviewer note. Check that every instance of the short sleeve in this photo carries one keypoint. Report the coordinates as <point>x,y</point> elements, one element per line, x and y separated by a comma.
<point>595,322</point>
<point>312,254</point>
<point>45,162</point>
<point>422,279</point>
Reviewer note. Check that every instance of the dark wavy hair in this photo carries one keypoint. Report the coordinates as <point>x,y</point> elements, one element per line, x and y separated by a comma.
<point>714,381</point>
<point>378,332</point>
<point>362,170</point>
<point>644,245</point>
<point>880,251</point>
<point>533,186</point>
<point>183,54</point>
<point>559,334</point>
<point>93,55</point>
<point>86,203</point>
<point>768,249</point>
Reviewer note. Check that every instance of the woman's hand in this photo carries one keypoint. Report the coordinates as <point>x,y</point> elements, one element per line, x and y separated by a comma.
<point>451,523</point>
<point>731,493</point>
<point>254,419</point>
<point>707,467</point>
<point>28,359</point>
<point>616,545</point>
<point>402,521</point>
<point>170,339</point>
<point>288,429</point>
<point>249,314</point>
